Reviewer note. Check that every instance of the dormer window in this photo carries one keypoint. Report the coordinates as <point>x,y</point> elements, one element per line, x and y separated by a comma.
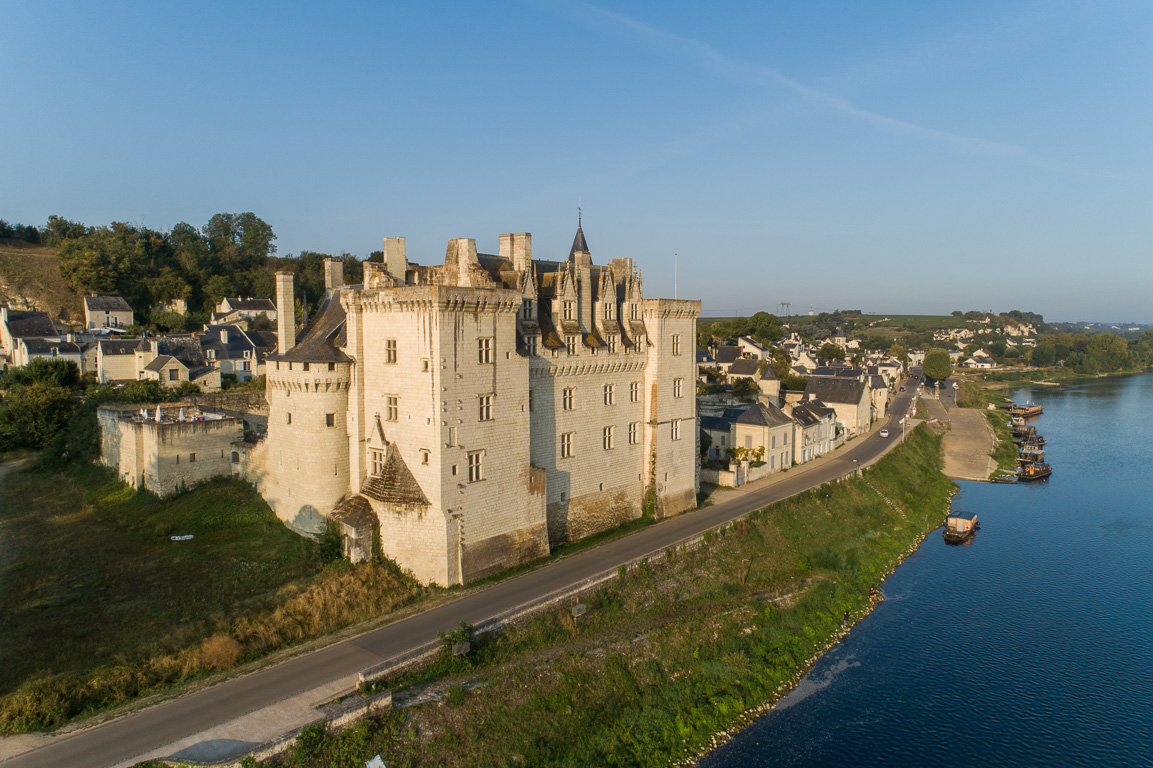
<point>634,311</point>
<point>610,310</point>
<point>526,309</point>
<point>568,310</point>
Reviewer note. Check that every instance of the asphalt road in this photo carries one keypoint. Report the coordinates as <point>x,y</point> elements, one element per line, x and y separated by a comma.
<point>125,738</point>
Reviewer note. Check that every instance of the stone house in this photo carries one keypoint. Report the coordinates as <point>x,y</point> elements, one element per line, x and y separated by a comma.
<point>725,357</point>
<point>848,397</point>
<point>815,433</point>
<point>485,409</point>
<point>743,368</point>
<point>879,396</point>
<point>19,324</point>
<point>750,347</point>
<point>30,349</point>
<point>238,309</point>
<point>233,350</point>
<point>720,431</point>
<point>116,361</point>
<point>766,427</point>
<point>106,312</point>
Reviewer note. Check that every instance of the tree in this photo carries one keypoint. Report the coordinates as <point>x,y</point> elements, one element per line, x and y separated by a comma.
<point>32,415</point>
<point>706,443</point>
<point>938,365</point>
<point>745,388</point>
<point>42,370</point>
<point>1110,350</point>
<point>898,352</point>
<point>831,351</point>
<point>958,313</point>
<point>1043,355</point>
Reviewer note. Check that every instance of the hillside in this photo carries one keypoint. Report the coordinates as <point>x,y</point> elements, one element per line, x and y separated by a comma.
<point>30,279</point>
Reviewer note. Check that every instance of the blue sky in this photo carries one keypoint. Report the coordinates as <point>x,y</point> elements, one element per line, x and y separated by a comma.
<point>884,156</point>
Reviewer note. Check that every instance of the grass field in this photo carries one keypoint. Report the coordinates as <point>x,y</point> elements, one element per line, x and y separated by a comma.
<point>30,275</point>
<point>99,605</point>
<point>674,651</point>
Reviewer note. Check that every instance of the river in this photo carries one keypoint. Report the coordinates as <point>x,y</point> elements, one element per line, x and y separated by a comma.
<point>1031,646</point>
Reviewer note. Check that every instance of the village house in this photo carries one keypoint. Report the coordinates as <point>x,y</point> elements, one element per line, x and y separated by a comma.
<point>765,431</point>
<point>750,347</point>
<point>815,431</point>
<point>29,349</point>
<point>484,410</point>
<point>238,310</point>
<point>106,312</point>
<point>848,397</point>
<point>18,325</point>
<point>879,396</point>
<point>720,431</point>
<point>236,352</point>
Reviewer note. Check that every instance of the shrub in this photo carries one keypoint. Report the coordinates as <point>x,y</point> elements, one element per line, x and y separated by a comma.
<point>219,652</point>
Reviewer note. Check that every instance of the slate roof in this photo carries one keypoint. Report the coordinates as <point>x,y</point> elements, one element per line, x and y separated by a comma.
<point>45,347</point>
<point>252,305</point>
<point>770,374</point>
<point>704,358</point>
<point>810,413</point>
<point>26,323</point>
<point>355,510</point>
<point>322,341</point>
<point>744,367</point>
<point>125,347</point>
<point>160,361</point>
<point>716,423</point>
<point>578,242</point>
<point>395,483</point>
<point>726,355</point>
<point>878,382</point>
<point>106,304</point>
<point>735,411</point>
<point>835,390</point>
<point>765,416</point>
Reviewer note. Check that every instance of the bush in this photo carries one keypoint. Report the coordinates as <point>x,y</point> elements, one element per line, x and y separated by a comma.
<point>219,652</point>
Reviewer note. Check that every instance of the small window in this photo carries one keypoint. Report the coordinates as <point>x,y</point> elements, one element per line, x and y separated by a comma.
<point>391,408</point>
<point>304,366</point>
<point>484,350</point>
<point>530,343</point>
<point>531,400</point>
<point>610,394</point>
<point>570,343</point>
<point>235,457</point>
<point>678,387</point>
<point>676,429</point>
<point>330,419</point>
<point>288,417</point>
<point>526,309</point>
<point>676,343</point>
<point>173,374</point>
<point>607,437</point>
<point>612,343</point>
<point>635,311</point>
<point>191,457</point>
<point>377,461</point>
<point>566,450</point>
<point>424,366</point>
<point>475,466</point>
<point>567,399</point>
<point>486,407</point>
<point>332,366</point>
<point>635,392</point>
<point>568,309</point>
<point>390,351</point>
<point>634,432</point>
<point>424,454</point>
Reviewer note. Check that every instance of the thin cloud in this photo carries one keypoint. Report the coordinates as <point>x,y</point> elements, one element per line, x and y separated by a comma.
<point>761,76</point>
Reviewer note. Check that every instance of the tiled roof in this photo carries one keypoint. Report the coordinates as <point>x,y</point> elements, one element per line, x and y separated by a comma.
<point>23,324</point>
<point>744,367</point>
<point>395,483</point>
<point>764,415</point>
<point>321,343</point>
<point>355,510</point>
<point>725,355</point>
<point>835,390</point>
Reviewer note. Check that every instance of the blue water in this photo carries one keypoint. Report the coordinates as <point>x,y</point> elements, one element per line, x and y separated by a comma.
<point>1032,646</point>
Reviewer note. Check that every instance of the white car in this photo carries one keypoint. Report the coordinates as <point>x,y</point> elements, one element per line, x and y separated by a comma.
<point>884,433</point>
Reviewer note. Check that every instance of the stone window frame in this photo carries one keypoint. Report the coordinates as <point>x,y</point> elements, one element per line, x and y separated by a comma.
<point>567,309</point>
<point>330,419</point>
<point>612,343</point>
<point>484,410</point>
<point>608,437</point>
<point>392,408</point>
<point>531,399</point>
<point>675,429</point>
<point>676,344</point>
<point>376,457</point>
<point>635,392</point>
<point>610,394</point>
<point>475,466</point>
<point>568,398</point>
<point>484,350</point>
<point>610,308</point>
<point>634,432</point>
<point>566,445</point>
<point>390,354</point>
<point>678,387</point>
<point>635,311</point>
<point>530,343</point>
<point>526,309</point>
<point>570,343</point>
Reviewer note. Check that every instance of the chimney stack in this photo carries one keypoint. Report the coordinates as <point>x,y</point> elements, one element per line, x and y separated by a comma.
<point>394,259</point>
<point>285,313</point>
<point>333,275</point>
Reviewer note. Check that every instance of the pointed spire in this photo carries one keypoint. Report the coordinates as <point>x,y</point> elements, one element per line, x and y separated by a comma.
<point>578,243</point>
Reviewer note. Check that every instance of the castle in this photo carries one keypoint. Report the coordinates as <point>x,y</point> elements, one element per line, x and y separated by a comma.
<point>479,412</point>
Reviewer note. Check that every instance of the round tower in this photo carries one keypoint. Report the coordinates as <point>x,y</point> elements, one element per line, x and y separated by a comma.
<point>307,460</point>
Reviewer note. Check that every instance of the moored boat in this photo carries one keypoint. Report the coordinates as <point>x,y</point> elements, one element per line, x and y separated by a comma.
<point>1035,472</point>
<point>959,527</point>
<point>1003,479</point>
<point>1027,411</point>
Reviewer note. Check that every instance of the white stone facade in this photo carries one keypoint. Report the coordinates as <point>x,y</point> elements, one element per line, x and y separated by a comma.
<point>487,409</point>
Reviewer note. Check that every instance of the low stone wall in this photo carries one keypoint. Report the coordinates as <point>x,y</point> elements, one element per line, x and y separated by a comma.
<point>250,406</point>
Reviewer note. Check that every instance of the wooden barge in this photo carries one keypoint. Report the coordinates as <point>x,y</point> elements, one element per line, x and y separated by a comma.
<point>960,527</point>
<point>1031,472</point>
<point>1027,411</point>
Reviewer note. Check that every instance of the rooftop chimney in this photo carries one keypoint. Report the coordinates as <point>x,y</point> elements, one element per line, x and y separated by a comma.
<point>285,313</point>
<point>333,275</point>
<point>394,259</point>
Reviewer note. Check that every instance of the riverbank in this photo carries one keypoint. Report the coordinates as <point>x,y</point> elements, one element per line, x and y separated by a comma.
<point>673,652</point>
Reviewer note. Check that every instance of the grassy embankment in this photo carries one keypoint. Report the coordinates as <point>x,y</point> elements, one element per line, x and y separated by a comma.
<point>672,653</point>
<point>100,606</point>
<point>974,394</point>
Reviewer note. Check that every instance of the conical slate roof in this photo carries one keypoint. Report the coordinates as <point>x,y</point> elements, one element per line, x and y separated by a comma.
<point>395,483</point>
<point>578,242</point>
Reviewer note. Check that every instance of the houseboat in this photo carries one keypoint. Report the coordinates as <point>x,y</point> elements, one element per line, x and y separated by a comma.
<point>960,527</point>
<point>1031,454</point>
<point>1028,411</point>
<point>1035,472</point>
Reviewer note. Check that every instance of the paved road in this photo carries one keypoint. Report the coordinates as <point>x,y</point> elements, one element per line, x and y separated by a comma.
<point>136,734</point>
